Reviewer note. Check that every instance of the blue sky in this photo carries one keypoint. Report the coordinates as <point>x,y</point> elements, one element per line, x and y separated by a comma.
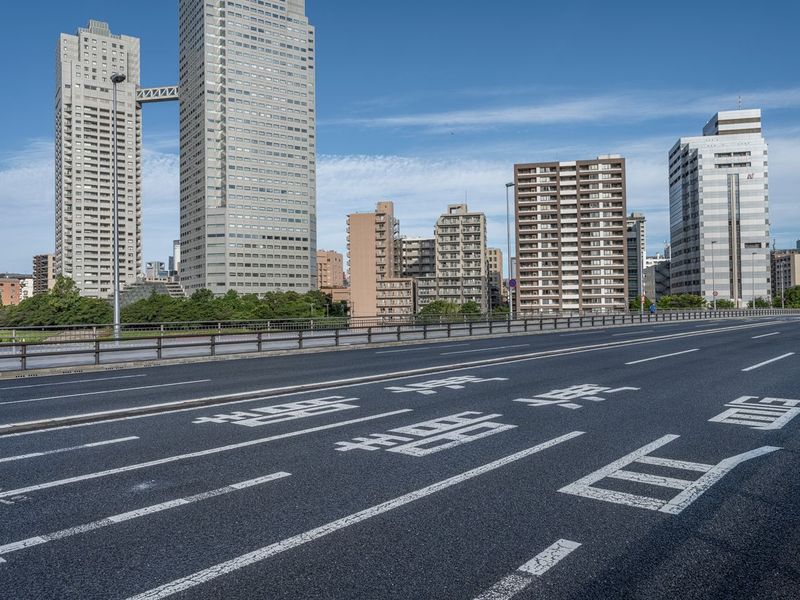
<point>430,102</point>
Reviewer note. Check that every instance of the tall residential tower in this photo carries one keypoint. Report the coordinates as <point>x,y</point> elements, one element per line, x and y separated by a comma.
<point>248,146</point>
<point>84,181</point>
<point>719,210</point>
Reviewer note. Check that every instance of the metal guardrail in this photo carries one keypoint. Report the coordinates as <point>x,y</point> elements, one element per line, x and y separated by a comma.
<point>160,346</point>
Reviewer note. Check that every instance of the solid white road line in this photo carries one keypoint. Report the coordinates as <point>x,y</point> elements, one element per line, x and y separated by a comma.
<point>135,514</point>
<point>486,349</point>
<point>431,347</point>
<point>633,332</point>
<point>758,337</point>
<point>266,552</point>
<point>143,387</point>
<point>636,362</point>
<point>248,397</point>
<point>23,387</point>
<point>69,449</point>
<point>766,362</point>
<point>217,450</point>
<point>525,575</point>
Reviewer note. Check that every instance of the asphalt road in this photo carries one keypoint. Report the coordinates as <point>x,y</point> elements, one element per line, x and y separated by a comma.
<point>601,471</point>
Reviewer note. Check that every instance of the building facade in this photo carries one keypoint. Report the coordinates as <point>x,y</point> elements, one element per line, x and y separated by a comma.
<point>248,146</point>
<point>418,257</point>
<point>497,293</point>
<point>461,259</point>
<point>84,181</point>
<point>44,276</point>
<point>10,291</point>
<point>637,253</point>
<point>719,210</point>
<point>656,280</point>
<point>330,269</point>
<point>571,236</point>
<point>785,267</point>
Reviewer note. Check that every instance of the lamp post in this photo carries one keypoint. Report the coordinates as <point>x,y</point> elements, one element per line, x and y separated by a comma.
<point>116,78</point>
<point>508,241</point>
<point>713,276</point>
<point>753,276</point>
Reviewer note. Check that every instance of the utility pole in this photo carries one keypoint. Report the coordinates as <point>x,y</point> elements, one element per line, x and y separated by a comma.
<point>116,78</point>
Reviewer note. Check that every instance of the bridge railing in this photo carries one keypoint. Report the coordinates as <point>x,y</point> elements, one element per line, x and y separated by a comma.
<point>93,345</point>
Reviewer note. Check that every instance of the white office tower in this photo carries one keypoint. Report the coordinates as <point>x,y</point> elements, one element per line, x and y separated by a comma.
<point>248,146</point>
<point>719,210</point>
<point>84,181</point>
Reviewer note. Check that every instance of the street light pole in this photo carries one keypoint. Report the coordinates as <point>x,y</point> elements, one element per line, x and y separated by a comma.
<point>753,276</point>
<point>508,243</point>
<point>116,78</point>
<point>713,276</point>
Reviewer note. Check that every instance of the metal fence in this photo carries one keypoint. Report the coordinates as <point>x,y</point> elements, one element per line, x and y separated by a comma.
<point>210,339</point>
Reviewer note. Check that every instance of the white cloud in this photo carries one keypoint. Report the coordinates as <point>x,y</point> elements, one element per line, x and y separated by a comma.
<point>607,108</point>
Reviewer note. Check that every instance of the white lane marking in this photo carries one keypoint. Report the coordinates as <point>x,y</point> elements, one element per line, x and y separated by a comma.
<point>486,349</point>
<point>766,362</point>
<point>217,450</point>
<point>691,490</point>
<point>633,332</point>
<point>432,347</point>
<point>583,333</point>
<point>69,449</point>
<point>758,337</point>
<point>525,575</point>
<point>229,566</point>
<point>35,385</point>
<point>229,399</point>
<point>135,514</point>
<point>644,360</point>
<point>130,389</point>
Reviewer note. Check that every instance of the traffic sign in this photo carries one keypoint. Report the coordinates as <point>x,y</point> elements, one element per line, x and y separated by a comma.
<point>716,294</point>
<point>512,283</point>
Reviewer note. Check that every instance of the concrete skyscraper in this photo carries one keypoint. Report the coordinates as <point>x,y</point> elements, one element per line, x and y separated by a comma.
<point>719,210</point>
<point>637,253</point>
<point>248,146</point>
<point>84,181</point>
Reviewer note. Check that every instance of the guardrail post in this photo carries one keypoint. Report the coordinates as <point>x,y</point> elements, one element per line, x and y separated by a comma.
<point>449,328</point>
<point>424,331</point>
<point>525,321</point>
<point>336,337</point>
<point>491,325</point>
<point>300,339</point>
<point>23,356</point>
<point>260,340</point>
<point>96,351</point>
<point>369,334</point>
<point>398,333</point>
<point>158,347</point>
<point>509,326</point>
<point>213,345</point>
<point>470,327</point>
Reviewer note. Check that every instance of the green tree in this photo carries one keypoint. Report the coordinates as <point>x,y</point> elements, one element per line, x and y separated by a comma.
<point>681,301</point>
<point>792,297</point>
<point>439,307</point>
<point>470,308</point>
<point>725,303</point>
<point>759,303</point>
<point>635,304</point>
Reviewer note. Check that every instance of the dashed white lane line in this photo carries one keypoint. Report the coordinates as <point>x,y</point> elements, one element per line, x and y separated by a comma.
<point>69,449</point>
<point>131,389</point>
<point>198,454</point>
<point>35,385</point>
<point>767,362</point>
<point>636,362</point>
<point>436,347</point>
<point>758,337</point>
<point>229,566</point>
<point>633,332</point>
<point>525,575</point>
<point>486,349</point>
<point>135,514</point>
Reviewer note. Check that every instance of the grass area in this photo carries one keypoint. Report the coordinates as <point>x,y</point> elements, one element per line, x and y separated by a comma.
<point>31,337</point>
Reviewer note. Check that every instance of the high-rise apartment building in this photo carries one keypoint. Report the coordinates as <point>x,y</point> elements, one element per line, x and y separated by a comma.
<point>372,244</point>
<point>719,210</point>
<point>248,146</point>
<point>496,293</point>
<point>418,257</point>
<point>570,231</point>
<point>461,262</point>
<point>330,269</point>
<point>84,181</point>
<point>44,276</point>
<point>637,253</point>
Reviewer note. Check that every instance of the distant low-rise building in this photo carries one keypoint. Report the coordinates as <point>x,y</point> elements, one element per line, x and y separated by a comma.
<point>26,288</point>
<point>785,267</point>
<point>657,280</point>
<point>330,269</point>
<point>497,295</point>
<point>10,291</point>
